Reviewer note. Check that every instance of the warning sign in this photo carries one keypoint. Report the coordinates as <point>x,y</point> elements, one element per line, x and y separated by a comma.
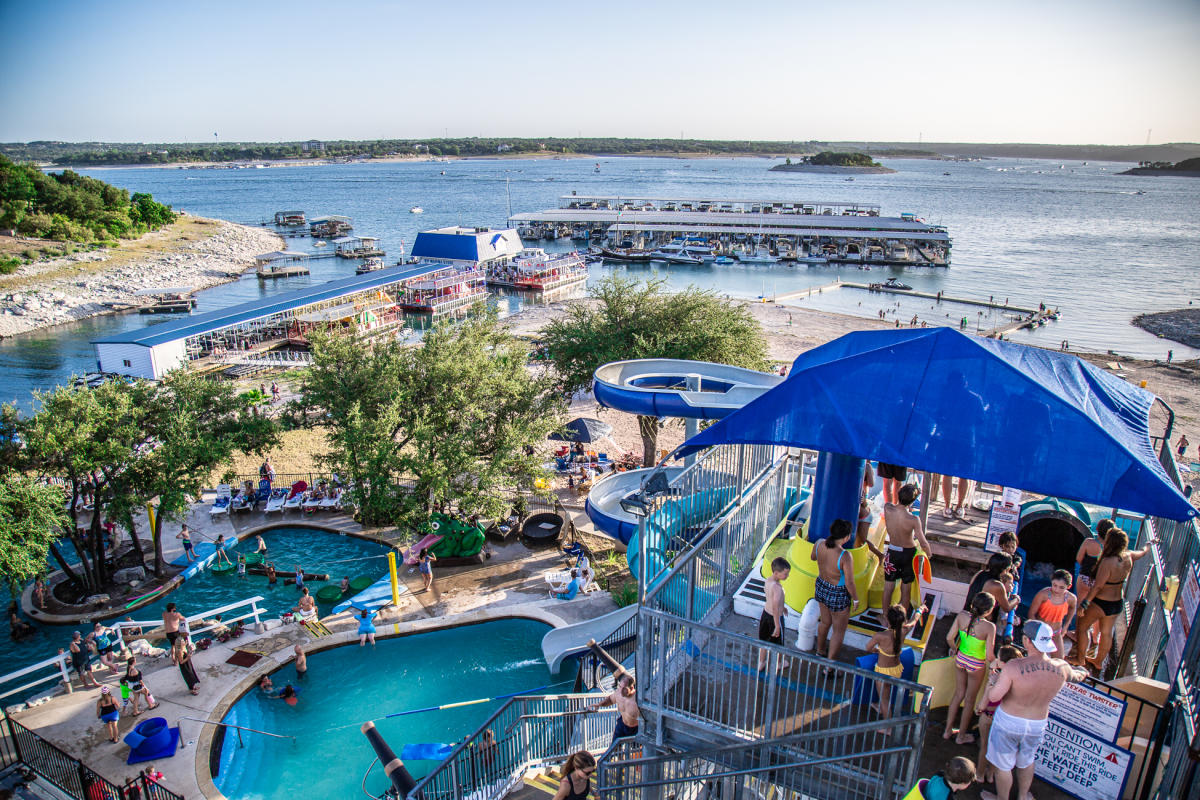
<point>1084,707</point>
<point>1081,764</point>
<point>1003,519</point>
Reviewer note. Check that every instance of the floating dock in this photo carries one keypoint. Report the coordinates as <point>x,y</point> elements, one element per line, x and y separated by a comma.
<point>841,232</point>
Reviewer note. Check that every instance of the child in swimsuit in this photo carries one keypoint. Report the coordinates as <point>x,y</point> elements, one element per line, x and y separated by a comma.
<point>888,644</point>
<point>985,709</point>
<point>1055,605</point>
<point>366,627</point>
<point>971,639</point>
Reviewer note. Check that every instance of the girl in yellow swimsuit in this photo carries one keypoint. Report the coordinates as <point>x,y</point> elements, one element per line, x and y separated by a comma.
<point>888,644</point>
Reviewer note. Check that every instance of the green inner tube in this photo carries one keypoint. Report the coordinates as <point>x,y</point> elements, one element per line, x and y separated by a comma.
<point>329,594</point>
<point>223,569</point>
<point>360,583</point>
<point>255,558</point>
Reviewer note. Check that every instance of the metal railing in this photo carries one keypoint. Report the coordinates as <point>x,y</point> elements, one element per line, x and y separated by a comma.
<point>54,668</point>
<point>700,678</point>
<point>254,612</point>
<point>620,644</point>
<point>857,763</point>
<point>526,732</point>
<point>72,776</point>
<point>692,582</point>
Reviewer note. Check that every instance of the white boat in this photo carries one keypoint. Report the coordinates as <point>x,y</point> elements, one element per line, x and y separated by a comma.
<point>416,210</point>
<point>899,253</point>
<point>319,243</point>
<point>813,259</point>
<point>756,256</point>
<point>674,254</point>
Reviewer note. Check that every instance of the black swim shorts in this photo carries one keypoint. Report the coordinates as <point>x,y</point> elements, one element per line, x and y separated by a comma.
<point>892,471</point>
<point>898,565</point>
<point>766,627</point>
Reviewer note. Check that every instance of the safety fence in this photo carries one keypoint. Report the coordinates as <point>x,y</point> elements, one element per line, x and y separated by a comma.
<point>1174,550</point>
<point>70,775</point>
<point>54,669</point>
<point>858,762</point>
<point>525,733</point>
<point>620,644</point>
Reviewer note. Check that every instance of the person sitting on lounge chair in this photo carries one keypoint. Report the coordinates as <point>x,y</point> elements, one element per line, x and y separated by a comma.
<point>569,590</point>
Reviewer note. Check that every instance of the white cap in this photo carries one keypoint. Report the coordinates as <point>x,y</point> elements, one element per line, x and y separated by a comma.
<point>1040,635</point>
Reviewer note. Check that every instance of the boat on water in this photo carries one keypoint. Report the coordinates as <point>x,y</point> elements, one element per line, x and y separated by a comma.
<point>627,254</point>
<point>370,265</point>
<point>320,243</point>
<point>892,283</point>
<point>416,210</point>
<point>724,260</point>
<point>814,259</point>
<point>535,270</point>
<point>677,253</point>
<point>755,256</point>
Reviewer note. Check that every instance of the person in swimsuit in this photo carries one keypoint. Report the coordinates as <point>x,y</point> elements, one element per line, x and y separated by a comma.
<point>971,639</point>
<point>300,577</point>
<point>624,697</point>
<point>345,584</point>
<point>770,622</point>
<point>222,556</point>
<point>260,545</point>
<point>108,712</point>
<point>1105,600</point>
<point>306,606</point>
<point>301,662</point>
<point>102,640</point>
<point>366,627</point>
<point>81,661</point>
<point>904,532</point>
<point>137,686</point>
<point>425,566</point>
<point>271,576</point>
<point>241,564</point>
<point>188,549</point>
<point>1055,606</point>
<point>171,620</point>
<point>576,783</point>
<point>888,644</point>
<point>835,590</point>
<point>1087,560</point>
<point>181,656</point>
<point>996,579</point>
<point>985,708</point>
<point>893,476</point>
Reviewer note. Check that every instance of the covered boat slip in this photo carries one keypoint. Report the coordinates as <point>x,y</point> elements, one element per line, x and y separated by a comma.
<point>444,290</point>
<point>255,327</point>
<point>809,207</point>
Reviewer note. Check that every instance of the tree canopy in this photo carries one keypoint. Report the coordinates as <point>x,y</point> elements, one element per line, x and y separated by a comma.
<point>828,158</point>
<point>630,319</point>
<point>67,206</point>
<point>31,519</point>
<point>448,424</point>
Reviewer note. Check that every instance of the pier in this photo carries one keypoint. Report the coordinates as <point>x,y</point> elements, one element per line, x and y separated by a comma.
<point>942,297</point>
<point>809,292</point>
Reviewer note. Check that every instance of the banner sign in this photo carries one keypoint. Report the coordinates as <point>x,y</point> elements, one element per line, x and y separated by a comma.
<point>1003,519</point>
<point>1086,708</point>
<point>1081,764</point>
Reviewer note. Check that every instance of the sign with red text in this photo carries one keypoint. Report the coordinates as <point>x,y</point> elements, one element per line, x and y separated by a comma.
<point>1081,764</point>
<point>1003,519</point>
<point>1095,712</point>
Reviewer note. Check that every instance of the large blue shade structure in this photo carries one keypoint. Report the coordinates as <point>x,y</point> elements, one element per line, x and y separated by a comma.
<point>938,400</point>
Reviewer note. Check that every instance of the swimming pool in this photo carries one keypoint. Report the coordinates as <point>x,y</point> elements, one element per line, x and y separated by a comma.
<point>348,685</point>
<point>317,550</point>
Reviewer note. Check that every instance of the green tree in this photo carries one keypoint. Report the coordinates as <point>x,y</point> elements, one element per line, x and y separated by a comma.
<point>442,425</point>
<point>31,519</point>
<point>629,319</point>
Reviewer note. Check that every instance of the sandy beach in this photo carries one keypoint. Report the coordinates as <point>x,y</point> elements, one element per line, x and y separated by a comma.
<point>193,252</point>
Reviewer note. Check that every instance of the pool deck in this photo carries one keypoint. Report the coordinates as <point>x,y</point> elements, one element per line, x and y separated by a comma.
<point>509,584</point>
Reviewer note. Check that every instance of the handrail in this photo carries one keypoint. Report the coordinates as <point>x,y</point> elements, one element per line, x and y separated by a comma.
<point>60,661</point>
<point>254,612</point>
<point>239,727</point>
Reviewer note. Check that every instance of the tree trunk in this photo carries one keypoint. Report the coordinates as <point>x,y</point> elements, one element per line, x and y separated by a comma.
<point>64,566</point>
<point>134,542</point>
<point>648,428</point>
<point>156,534</point>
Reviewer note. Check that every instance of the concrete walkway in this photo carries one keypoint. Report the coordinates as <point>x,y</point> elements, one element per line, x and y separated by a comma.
<point>509,584</point>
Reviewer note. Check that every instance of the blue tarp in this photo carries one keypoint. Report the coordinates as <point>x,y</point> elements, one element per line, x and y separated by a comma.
<point>938,400</point>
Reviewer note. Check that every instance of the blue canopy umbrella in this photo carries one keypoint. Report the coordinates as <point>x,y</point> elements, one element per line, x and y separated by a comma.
<point>942,401</point>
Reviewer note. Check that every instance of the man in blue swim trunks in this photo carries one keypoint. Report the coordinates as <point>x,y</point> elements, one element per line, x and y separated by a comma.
<point>624,697</point>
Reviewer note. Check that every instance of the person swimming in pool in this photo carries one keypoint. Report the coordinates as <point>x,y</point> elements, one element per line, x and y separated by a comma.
<point>366,627</point>
<point>299,577</point>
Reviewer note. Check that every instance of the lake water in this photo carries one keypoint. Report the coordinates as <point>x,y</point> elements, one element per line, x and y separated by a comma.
<point>1079,238</point>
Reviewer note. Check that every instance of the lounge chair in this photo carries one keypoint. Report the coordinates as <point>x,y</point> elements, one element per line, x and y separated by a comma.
<point>264,492</point>
<point>221,504</point>
<point>333,502</point>
<point>277,498</point>
<point>241,501</point>
<point>313,502</point>
<point>295,501</point>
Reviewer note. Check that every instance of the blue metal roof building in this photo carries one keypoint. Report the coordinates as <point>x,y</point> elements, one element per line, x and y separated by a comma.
<point>469,245</point>
<point>153,351</point>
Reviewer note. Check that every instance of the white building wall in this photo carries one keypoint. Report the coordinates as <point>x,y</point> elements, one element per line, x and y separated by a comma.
<point>168,356</point>
<point>125,359</point>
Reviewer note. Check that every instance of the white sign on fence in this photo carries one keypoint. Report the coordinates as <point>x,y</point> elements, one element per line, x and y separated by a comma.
<point>1084,707</point>
<point>1183,619</point>
<point>1081,764</point>
<point>1003,519</point>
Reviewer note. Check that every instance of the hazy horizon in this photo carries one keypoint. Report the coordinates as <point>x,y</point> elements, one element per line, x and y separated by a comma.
<point>1101,73</point>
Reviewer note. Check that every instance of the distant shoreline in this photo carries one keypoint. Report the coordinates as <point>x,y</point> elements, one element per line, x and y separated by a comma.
<point>1177,173</point>
<point>829,169</point>
<point>1180,325</point>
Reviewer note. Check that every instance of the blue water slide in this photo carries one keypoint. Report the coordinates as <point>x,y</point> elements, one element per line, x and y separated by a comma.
<point>666,387</point>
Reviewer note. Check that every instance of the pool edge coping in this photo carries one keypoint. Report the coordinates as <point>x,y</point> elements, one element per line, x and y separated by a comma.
<point>203,748</point>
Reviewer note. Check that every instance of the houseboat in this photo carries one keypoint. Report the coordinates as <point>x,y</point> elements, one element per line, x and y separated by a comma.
<point>444,291</point>
<point>533,270</point>
<point>289,219</point>
<point>357,247</point>
<point>330,227</point>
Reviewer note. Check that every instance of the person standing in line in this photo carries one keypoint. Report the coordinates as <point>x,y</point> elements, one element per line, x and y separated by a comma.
<point>81,661</point>
<point>576,782</point>
<point>972,638</point>
<point>108,712</point>
<point>1088,559</point>
<point>1055,606</point>
<point>181,656</point>
<point>893,477</point>
<point>1024,690</point>
<point>1105,601</point>
<point>835,589</point>
<point>904,531</point>
<point>770,624</point>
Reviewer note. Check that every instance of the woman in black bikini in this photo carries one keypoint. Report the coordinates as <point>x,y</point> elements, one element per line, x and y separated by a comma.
<point>1088,559</point>
<point>1105,599</point>
<point>133,676</point>
<point>576,783</point>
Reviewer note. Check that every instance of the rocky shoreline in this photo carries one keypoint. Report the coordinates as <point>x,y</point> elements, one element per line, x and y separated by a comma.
<point>194,252</point>
<point>1181,325</point>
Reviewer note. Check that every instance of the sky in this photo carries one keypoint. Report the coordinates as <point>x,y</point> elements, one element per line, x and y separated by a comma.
<point>1068,71</point>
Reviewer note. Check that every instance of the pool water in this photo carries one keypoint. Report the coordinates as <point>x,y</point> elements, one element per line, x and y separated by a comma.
<point>318,551</point>
<point>349,685</point>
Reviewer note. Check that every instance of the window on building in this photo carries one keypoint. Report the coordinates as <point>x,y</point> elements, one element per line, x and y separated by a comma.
<point>127,363</point>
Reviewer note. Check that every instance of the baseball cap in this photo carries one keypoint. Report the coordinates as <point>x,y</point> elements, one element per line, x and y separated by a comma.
<point>1040,634</point>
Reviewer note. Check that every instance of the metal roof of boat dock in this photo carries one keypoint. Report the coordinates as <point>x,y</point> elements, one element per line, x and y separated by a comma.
<point>721,219</point>
<point>720,201</point>
<point>210,321</point>
<point>769,230</point>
